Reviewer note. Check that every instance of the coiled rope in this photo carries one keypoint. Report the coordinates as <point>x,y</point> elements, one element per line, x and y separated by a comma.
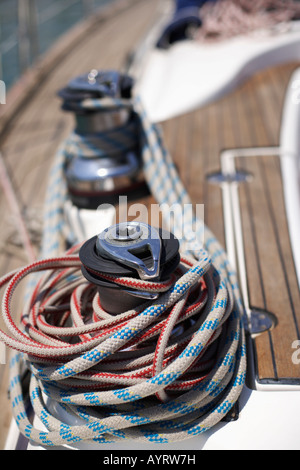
<point>166,371</point>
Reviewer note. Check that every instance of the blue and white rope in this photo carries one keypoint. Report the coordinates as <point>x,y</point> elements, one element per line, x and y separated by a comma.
<point>130,413</point>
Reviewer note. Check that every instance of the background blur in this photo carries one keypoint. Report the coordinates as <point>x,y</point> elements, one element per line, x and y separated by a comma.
<point>29,27</point>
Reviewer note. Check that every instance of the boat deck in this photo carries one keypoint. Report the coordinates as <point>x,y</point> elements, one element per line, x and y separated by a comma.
<point>248,117</point>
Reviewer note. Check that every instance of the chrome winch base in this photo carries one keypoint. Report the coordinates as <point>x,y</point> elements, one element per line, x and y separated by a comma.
<point>103,158</point>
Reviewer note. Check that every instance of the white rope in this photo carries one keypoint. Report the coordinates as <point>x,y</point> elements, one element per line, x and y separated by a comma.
<point>150,383</point>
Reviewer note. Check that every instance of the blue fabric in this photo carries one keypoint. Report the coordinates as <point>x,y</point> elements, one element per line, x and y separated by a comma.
<point>190,3</point>
<point>177,29</point>
<point>186,15</point>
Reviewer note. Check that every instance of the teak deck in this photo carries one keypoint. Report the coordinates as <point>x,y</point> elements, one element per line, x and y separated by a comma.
<point>248,117</point>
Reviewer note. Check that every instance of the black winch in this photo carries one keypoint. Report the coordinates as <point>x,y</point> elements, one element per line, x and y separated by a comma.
<point>133,250</point>
<point>104,155</point>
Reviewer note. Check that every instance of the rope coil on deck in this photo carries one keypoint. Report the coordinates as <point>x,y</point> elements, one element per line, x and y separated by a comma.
<point>166,371</point>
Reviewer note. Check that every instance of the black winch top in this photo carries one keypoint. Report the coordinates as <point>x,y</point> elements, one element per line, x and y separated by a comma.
<point>160,248</point>
<point>93,85</point>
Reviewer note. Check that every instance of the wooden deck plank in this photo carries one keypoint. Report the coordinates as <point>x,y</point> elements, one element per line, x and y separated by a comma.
<point>243,137</point>
<point>279,298</point>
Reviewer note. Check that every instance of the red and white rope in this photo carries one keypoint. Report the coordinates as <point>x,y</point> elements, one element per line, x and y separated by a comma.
<point>81,355</point>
